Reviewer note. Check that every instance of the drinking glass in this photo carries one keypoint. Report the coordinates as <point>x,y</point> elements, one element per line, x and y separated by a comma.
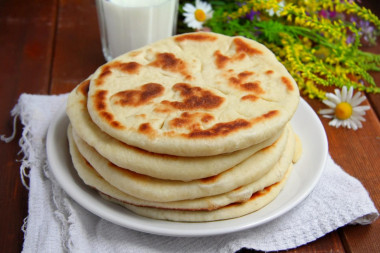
<point>126,25</point>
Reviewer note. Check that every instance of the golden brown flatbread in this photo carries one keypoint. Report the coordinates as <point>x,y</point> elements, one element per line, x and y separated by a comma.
<point>196,94</point>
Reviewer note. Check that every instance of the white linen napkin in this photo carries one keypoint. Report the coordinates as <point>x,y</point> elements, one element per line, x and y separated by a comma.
<point>56,223</point>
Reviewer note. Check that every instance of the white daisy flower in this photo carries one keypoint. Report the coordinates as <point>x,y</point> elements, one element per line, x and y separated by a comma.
<point>344,108</point>
<point>195,16</point>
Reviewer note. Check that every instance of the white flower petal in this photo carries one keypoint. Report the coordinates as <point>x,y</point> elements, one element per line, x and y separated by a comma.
<point>337,92</point>
<point>189,8</point>
<point>333,122</point>
<point>344,94</point>
<point>355,124</point>
<point>355,97</point>
<point>358,118</point>
<point>346,123</point>
<point>188,20</point>
<point>189,15</point>
<point>204,6</point>
<point>358,101</point>
<point>361,108</point>
<point>326,111</point>
<point>358,114</point>
<point>349,94</point>
<point>332,97</point>
<point>195,25</point>
<point>329,103</point>
<point>208,9</point>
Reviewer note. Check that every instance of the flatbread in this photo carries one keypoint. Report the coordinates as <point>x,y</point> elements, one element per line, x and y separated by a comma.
<point>90,177</point>
<point>144,162</point>
<point>196,94</point>
<point>298,149</point>
<point>153,189</point>
<point>257,201</point>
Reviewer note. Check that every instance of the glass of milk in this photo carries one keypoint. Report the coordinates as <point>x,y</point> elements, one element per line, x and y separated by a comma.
<point>126,25</point>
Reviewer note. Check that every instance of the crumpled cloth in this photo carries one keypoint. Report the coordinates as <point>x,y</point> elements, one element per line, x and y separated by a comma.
<point>56,223</point>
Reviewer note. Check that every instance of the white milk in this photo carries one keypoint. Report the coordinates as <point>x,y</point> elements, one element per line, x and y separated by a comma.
<point>126,25</point>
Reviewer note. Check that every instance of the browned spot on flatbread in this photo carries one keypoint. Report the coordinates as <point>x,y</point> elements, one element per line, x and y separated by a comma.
<point>130,67</point>
<point>195,37</point>
<point>106,70</point>
<point>238,189</point>
<point>245,74</point>
<point>263,192</point>
<point>195,98</point>
<point>220,59</point>
<point>190,121</point>
<point>269,72</point>
<point>163,107</point>
<point>207,118</point>
<point>106,115</point>
<point>220,129</point>
<point>243,47</point>
<point>285,80</point>
<point>240,78</point>
<point>240,83</point>
<point>250,97</point>
<point>146,128</point>
<point>254,196</point>
<point>210,180</point>
<point>168,62</point>
<point>101,107</point>
<point>116,124</point>
<point>180,122</point>
<point>84,87</point>
<point>144,95</point>
<point>270,147</point>
<point>268,115</point>
<point>253,87</point>
<point>99,99</point>
<point>87,163</point>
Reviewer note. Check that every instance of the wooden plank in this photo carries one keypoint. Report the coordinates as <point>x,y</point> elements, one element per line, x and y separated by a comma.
<point>374,98</point>
<point>27,32</point>
<point>361,158</point>
<point>328,243</point>
<point>357,152</point>
<point>78,51</point>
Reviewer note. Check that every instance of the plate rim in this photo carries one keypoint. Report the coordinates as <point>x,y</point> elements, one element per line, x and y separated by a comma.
<point>90,201</point>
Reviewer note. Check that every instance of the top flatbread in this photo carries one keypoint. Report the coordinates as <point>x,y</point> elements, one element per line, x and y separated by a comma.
<point>197,94</point>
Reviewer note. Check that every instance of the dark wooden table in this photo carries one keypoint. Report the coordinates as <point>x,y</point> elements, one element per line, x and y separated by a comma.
<point>49,46</point>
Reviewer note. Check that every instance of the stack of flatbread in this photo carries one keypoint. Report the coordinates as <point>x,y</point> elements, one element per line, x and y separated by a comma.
<point>192,128</point>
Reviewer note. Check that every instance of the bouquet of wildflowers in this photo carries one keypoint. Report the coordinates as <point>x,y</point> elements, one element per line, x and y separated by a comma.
<point>317,41</point>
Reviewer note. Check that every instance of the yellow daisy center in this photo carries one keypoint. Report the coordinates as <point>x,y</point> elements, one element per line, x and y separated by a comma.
<point>343,111</point>
<point>200,15</point>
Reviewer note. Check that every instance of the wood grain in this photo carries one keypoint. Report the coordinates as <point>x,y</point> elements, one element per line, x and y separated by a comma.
<point>77,47</point>
<point>26,39</point>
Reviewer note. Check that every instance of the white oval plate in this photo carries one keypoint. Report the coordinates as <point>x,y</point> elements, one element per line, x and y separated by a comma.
<point>301,182</point>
